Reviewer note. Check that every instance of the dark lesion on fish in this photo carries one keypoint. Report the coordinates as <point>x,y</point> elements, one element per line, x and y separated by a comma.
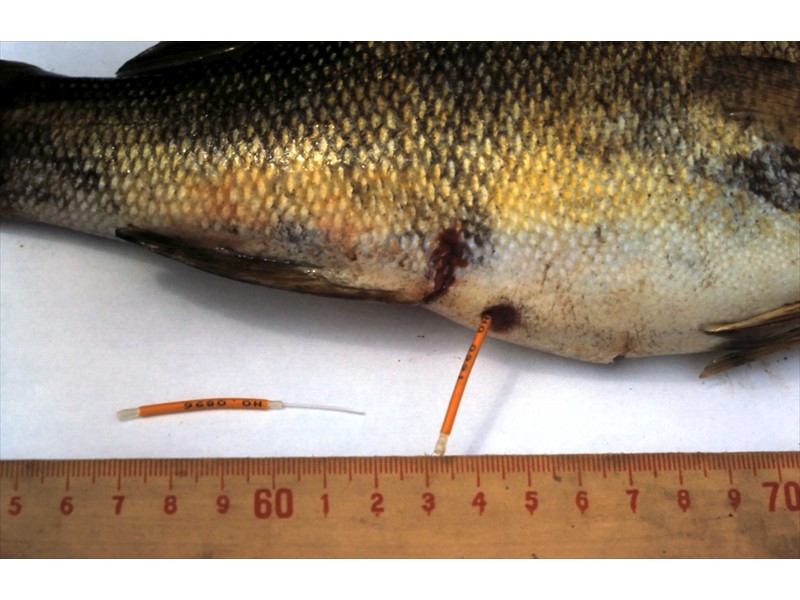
<point>449,253</point>
<point>505,316</point>
<point>466,243</point>
<point>598,234</point>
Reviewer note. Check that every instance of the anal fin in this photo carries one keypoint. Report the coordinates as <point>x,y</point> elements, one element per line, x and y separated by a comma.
<point>776,330</point>
<point>265,271</point>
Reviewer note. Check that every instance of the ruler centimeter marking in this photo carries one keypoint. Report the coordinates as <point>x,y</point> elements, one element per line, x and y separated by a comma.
<point>637,505</point>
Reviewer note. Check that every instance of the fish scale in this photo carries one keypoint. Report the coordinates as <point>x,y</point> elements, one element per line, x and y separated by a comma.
<point>614,199</point>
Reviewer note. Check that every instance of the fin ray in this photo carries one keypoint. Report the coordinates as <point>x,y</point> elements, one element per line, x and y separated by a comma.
<point>270,272</point>
<point>753,338</point>
<point>762,93</point>
<point>165,56</point>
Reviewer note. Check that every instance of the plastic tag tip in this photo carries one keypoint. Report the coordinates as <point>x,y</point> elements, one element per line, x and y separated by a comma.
<point>441,444</point>
<point>126,414</point>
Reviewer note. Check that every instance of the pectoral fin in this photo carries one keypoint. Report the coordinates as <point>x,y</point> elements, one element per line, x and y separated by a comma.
<point>266,271</point>
<point>750,339</point>
<point>761,93</point>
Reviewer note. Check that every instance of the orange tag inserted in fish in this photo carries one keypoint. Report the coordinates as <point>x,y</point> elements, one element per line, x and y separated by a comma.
<point>461,384</point>
<point>168,408</point>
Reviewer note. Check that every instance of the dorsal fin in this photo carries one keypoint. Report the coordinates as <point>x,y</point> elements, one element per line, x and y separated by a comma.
<point>762,93</point>
<point>11,71</point>
<point>16,79</point>
<point>172,55</point>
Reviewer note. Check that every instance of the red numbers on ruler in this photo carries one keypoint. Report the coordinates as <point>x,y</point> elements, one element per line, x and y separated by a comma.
<point>66,507</point>
<point>170,504</point>
<point>428,503</point>
<point>377,504</point>
<point>480,502</point>
<point>582,501</point>
<point>15,505</point>
<point>265,503</point>
<point>531,501</point>
<point>774,486</point>
<point>791,495</point>
<point>280,503</point>
<point>735,498</point>
<point>791,492</point>
<point>634,494</point>
<point>118,500</point>
<point>684,501</point>
<point>325,504</point>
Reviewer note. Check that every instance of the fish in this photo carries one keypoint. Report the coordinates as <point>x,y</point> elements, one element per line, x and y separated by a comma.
<point>597,200</point>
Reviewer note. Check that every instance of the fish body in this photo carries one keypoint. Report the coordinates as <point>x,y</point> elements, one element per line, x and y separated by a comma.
<point>598,200</point>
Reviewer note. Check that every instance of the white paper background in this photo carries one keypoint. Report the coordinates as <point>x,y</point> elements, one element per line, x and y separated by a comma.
<point>89,326</point>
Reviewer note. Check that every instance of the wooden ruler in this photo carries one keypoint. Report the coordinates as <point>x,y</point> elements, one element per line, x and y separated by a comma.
<point>642,505</point>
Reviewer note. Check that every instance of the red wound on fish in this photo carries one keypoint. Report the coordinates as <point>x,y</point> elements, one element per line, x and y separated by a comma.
<point>449,253</point>
<point>504,317</point>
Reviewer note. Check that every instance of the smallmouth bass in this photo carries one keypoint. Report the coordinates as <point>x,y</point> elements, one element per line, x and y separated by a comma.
<point>599,200</point>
